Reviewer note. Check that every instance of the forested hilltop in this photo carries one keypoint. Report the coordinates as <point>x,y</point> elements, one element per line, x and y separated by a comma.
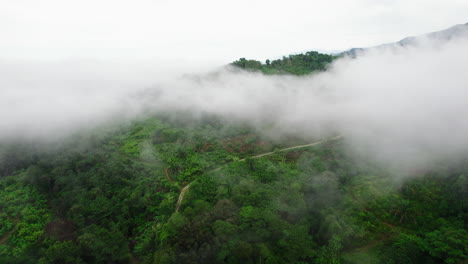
<point>180,187</point>
<point>297,64</point>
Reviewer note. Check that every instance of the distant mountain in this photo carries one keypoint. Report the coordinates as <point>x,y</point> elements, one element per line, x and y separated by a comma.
<point>455,32</point>
<point>311,61</point>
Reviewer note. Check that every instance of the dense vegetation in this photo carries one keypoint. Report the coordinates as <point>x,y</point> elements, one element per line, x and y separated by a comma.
<point>107,199</point>
<point>110,196</point>
<point>297,64</point>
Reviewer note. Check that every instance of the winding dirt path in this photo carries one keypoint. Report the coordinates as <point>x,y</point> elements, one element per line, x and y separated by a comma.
<point>166,172</point>
<point>8,234</point>
<point>5,237</point>
<point>185,189</point>
<point>295,147</point>
<point>181,196</point>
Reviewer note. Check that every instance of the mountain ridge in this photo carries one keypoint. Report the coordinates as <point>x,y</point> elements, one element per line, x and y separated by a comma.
<point>448,34</point>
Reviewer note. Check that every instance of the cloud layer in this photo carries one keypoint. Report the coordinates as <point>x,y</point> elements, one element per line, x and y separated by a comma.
<point>398,105</point>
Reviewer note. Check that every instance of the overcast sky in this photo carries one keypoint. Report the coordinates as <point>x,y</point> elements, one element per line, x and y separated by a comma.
<point>211,30</point>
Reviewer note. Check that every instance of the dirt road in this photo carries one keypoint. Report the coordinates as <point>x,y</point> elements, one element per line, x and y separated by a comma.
<point>185,189</point>
<point>181,196</point>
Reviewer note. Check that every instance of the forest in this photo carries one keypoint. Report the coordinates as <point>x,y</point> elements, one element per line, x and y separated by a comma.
<point>176,187</point>
<point>296,64</point>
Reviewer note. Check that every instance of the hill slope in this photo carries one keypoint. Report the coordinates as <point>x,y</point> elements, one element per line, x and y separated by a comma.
<point>454,32</point>
<point>297,64</point>
<point>114,199</point>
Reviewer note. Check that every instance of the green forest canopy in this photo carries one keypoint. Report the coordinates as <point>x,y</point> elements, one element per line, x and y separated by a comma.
<point>110,196</point>
<point>297,64</point>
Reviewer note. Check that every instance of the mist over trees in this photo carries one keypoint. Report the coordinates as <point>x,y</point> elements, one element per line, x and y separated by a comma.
<point>244,167</point>
<point>114,200</point>
<point>297,64</point>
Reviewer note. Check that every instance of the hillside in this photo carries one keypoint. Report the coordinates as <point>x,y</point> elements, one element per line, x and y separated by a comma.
<point>193,187</point>
<point>443,36</point>
<point>111,198</point>
<point>297,64</point>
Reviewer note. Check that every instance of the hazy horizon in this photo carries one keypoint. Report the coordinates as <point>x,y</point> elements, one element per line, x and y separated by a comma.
<point>211,32</point>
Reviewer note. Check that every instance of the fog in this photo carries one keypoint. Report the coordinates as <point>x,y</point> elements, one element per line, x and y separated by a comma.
<point>398,105</point>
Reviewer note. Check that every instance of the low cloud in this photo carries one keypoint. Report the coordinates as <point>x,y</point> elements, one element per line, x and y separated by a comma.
<point>398,105</point>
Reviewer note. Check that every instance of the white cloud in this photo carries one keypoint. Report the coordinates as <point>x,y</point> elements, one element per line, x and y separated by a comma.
<point>403,106</point>
<point>217,31</point>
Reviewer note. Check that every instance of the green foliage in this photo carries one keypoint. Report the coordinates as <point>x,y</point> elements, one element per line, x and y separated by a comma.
<point>297,64</point>
<point>448,243</point>
<point>25,213</point>
<point>61,252</point>
<point>113,199</point>
<point>101,245</point>
<point>5,224</point>
<point>224,230</point>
